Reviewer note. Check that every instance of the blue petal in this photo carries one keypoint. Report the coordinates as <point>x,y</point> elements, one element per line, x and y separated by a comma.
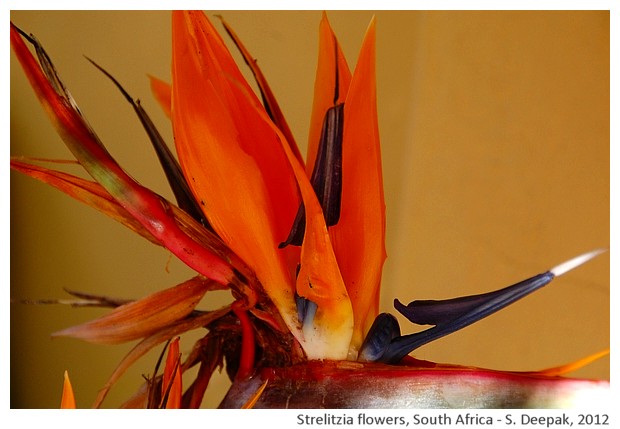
<point>326,176</point>
<point>454,314</point>
<point>384,329</point>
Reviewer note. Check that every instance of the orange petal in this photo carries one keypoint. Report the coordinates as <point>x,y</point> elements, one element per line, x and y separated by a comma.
<point>231,157</point>
<point>172,385</point>
<point>328,334</point>
<point>359,236</point>
<point>571,367</point>
<point>143,317</point>
<point>68,398</point>
<point>330,87</point>
<point>163,94</point>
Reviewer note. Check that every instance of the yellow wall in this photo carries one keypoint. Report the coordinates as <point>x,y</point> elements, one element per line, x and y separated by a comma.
<point>495,139</point>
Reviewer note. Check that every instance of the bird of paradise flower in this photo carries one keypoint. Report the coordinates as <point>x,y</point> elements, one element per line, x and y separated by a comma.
<point>292,253</point>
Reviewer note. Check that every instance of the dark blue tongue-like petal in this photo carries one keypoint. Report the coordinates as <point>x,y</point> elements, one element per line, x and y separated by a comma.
<point>326,176</point>
<point>453,314</point>
<point>384,329</point>
<point>437,312</point>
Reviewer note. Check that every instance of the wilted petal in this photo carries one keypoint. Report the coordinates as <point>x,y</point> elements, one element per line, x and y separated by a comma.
<point>172,388</point>
<point>209,352</point>
<point>143,317</point>
<point>187,324</point>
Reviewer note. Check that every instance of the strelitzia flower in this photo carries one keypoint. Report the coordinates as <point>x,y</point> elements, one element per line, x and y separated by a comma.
<point>299,243</point>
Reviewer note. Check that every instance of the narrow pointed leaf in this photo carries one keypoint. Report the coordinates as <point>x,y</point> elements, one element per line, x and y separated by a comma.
<point>143,317</point>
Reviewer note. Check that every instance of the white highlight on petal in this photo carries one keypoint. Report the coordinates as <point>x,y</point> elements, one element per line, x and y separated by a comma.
<point>564,267</point>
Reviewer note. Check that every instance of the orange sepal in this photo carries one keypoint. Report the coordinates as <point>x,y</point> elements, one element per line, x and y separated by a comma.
<point>68,398</point>
<point>359,236</point>
<point>223,138</point>
<point>328,334</point>
<point>172,384</point>
<point>572,366</point>
<point>163,94</point>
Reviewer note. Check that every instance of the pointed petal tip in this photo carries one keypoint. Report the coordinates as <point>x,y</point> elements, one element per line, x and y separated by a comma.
<point>574,366</point>
<point>68,397</point>
<point>372,26</point>
<point>573,263</point>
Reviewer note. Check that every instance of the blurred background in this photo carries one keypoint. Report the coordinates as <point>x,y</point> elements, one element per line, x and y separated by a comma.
<point>495,142</point>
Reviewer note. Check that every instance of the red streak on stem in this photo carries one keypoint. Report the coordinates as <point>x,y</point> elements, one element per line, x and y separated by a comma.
<point>246,363</point>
